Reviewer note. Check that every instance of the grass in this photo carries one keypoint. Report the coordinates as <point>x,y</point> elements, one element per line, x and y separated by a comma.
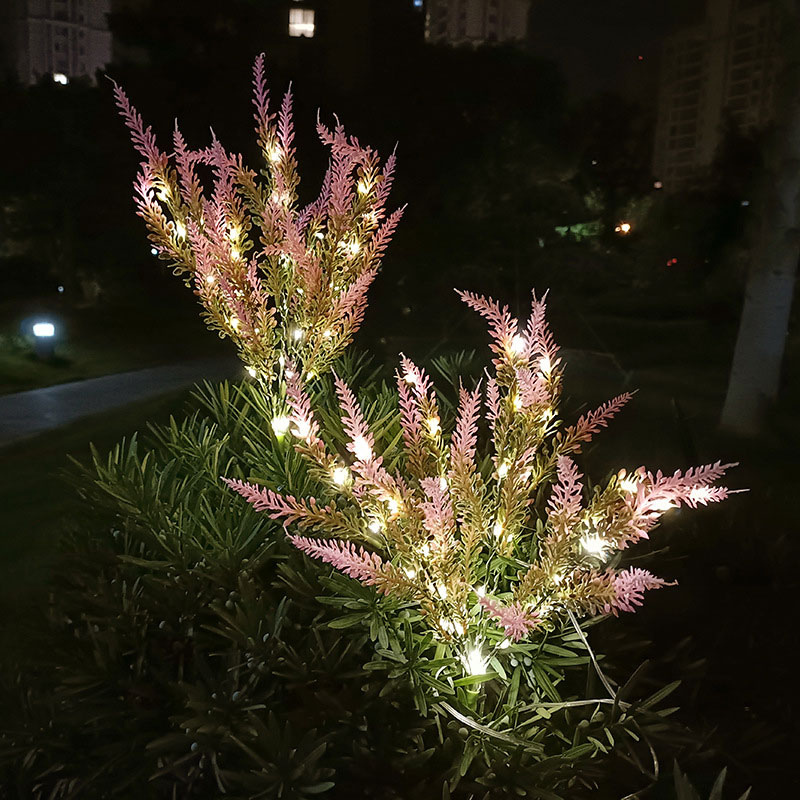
<point>130,334</point>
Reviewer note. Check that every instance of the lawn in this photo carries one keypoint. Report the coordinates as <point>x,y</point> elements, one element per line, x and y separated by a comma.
<point>101,340</point>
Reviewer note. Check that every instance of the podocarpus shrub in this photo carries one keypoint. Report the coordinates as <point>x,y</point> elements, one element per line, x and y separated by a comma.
<point>191,649</point>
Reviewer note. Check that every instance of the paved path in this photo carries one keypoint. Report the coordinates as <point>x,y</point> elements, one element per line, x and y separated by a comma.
<point>27,413</point>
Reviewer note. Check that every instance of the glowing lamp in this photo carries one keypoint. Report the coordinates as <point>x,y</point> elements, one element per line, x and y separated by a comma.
<point>518,345</point>
<point>280,425</point>
<point>594,546</point>
<point>60,78</point>
<point>361,449</point>
<point>44,333</point>
<point>340,476</point>
<point>44,329</point>
<point>475,661</point>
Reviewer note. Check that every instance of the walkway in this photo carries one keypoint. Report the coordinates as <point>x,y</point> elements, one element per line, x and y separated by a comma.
<point>28,413</point>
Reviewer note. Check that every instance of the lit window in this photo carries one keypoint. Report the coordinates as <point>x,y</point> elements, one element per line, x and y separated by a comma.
<point>301,22</point>
<point>60,77</point>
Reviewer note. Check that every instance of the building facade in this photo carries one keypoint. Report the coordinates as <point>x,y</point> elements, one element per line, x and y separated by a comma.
<point>66,39</point>
<point>476,22</point>
<point>723,67</point>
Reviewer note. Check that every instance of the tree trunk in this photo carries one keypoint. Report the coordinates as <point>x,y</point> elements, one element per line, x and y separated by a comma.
<point>756,370</point>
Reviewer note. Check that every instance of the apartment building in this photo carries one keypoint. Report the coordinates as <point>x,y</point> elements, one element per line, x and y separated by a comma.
<point>476,22</point>
<point>66,39</point>
<point>725,65</point>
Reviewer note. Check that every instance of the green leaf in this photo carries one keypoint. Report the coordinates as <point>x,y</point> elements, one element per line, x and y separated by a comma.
<point>658,696</point>
<point>348,621</point>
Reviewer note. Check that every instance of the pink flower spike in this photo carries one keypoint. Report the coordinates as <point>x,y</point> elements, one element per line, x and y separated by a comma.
<point>514,619</point>
<point>630,586</point>
<point>355,426</point>
<point>565,501</point>
<point>345,556</point>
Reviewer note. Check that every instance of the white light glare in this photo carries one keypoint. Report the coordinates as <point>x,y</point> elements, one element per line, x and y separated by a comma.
<point>280,425</point>
<point>518,344</point>
<point>361,449</point>
<point>701,494</point>
<point>44,329</point>
<point>475,661</point>
<point>251,372</point>
<point>340,476</point>
<point>60,77</point>
<point>594,545</point>
<point>662,505</point>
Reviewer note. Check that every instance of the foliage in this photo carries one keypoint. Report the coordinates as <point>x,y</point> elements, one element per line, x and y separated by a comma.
<point>457,528</point>
<point>187,648</point>
<point>685,791</point>
<point>281,281</point>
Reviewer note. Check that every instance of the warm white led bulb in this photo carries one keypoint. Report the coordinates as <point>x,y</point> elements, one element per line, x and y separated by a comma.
<point>518,345</point>
<point>594,545</point>
<point>361,449</point>
<point>433,425</point>
<point>280,425</point>
<point>475,661</point>
<point>251,372</point>
<point>502,469</point>
<point>340,475</point>
<point>544,365</point>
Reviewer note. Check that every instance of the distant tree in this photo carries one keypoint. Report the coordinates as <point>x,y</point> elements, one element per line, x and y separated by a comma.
<point>615,143</point>
<point>755,374</point>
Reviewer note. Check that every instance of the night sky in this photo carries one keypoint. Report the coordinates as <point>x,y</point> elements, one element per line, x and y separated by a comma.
<point>597,44</point>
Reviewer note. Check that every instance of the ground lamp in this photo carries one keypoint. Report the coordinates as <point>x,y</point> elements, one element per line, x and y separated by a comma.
<point>45,339</point>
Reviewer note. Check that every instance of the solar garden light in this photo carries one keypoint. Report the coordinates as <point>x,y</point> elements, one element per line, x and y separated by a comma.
<point>45,339</point>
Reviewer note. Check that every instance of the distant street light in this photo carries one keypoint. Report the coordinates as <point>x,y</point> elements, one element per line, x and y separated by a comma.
<point>45,338</point>
<point>623,229</point>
